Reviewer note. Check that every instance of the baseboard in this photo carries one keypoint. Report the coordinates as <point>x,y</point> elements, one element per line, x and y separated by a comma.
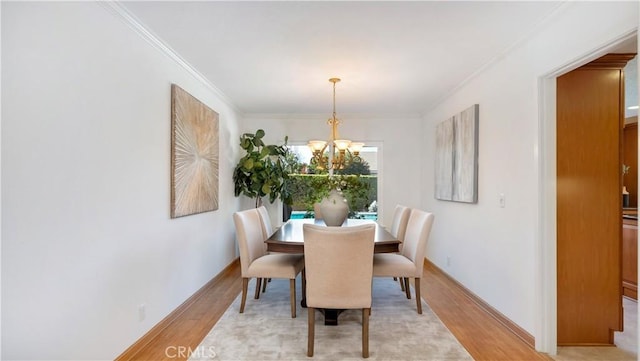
<point>131,352</point>
<point>504,320</point>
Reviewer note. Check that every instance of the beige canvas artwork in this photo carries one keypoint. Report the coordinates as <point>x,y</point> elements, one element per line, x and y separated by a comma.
<point>444,159</point>
<point>194,155</point>
<point>456,162</point>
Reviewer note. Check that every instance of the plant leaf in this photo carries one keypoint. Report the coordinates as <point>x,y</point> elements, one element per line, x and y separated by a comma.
<point>248,164</point>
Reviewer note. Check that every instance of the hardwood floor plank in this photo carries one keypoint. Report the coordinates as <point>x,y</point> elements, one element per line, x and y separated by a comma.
<point>484,337</point>
<point>478,331</point>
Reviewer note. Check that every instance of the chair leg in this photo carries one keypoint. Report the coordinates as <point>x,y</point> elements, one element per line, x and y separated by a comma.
<point>264,284</point>
<point>258,283</point>
<point>401,283</point>
<point>311,315</point>
<point>407,289</point>
<point>416,282</point>
<point>292,292</point>
<point>245,285</point>
<point>365,332</point>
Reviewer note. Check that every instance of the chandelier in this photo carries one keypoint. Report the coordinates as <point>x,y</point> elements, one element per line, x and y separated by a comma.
<point>337,147</point>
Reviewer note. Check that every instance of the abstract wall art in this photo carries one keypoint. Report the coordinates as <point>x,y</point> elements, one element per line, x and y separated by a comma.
<point>456,161</point>
<point>194,155</point>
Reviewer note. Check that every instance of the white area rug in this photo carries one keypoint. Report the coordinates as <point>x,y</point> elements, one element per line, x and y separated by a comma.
<point>266,331</point>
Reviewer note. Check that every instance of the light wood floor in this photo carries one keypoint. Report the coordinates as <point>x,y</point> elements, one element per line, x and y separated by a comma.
<point>481,334</point>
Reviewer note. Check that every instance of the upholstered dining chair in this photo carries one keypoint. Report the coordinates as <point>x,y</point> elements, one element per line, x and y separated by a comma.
<point>317,213</point>
<point>399,223</point>
<point>410,262</point>
<point>339,271</point>
<point>398,229</point>
<point>267,231</point>
<point>255,263</point>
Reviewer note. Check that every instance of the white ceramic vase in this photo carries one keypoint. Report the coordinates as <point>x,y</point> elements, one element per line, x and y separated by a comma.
<point>334,209</point>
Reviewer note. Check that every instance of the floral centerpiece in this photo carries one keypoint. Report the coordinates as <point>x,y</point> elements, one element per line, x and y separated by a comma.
<point>334,196</point>
<point>337,183</point>
<point>344,183</point>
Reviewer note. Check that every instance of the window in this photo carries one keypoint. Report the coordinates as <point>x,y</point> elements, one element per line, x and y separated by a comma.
<point>307,182</point>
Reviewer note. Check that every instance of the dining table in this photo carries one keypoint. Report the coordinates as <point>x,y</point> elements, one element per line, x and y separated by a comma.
<point>289,238</point>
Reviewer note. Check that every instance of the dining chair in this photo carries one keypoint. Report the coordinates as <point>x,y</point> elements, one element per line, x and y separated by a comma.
<point>339,272</point>
<point>256,263</point>
<point>398,229</point>
<point>399,223</point>
<point>317,213</point>
<point>410,262</point>
<point>267,231</point>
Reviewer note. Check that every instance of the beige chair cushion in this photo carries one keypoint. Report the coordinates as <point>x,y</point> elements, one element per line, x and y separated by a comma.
<point>276,265</point>
<point>393,265</point>
<point>339,266</point>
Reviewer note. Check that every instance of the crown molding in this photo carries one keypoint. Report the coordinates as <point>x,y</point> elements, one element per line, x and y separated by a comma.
<point>119,10</point>
<point>501,55</point>
<point>325,116</point>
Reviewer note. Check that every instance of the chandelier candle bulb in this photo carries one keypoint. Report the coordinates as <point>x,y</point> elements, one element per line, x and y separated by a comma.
<point>342,144</point>
<point>356,147</point>
<point>317,145</point>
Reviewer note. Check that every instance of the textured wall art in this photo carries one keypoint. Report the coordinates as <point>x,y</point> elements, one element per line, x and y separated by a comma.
<point>194,155</point>
<point>456,163</point>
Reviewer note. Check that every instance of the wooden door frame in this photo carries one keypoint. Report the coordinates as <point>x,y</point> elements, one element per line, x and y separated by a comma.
<point>546,335</point>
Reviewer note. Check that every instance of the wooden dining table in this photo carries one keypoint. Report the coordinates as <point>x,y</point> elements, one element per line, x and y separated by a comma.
<point>290,239</point>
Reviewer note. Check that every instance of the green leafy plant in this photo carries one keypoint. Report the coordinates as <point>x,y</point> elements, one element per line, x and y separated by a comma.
<point>264,169</point>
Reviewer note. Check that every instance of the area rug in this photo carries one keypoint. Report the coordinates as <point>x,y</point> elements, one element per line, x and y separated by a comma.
<point>266,331</point>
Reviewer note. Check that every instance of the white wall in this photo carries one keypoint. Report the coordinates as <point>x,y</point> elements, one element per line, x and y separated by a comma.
<point>86,234</point>
<point>397,136</point>
<point>493,250</point>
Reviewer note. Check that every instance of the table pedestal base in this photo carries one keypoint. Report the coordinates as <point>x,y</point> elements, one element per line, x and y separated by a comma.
<point>330,314</point>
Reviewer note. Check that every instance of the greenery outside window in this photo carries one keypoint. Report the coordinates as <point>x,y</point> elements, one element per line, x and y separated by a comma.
<point>308,185</point>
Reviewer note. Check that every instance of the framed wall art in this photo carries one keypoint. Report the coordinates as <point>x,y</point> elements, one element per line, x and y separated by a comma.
<point>456,162</point>
<point>194,155</point>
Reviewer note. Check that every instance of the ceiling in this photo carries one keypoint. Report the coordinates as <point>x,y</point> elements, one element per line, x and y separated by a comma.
<point>393,57</point>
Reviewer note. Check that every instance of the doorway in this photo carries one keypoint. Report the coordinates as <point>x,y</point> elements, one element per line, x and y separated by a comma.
<point>589,127</point>
<point>546,252</point>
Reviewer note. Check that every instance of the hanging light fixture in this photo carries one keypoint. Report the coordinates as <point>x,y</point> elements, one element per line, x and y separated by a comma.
<point>337,147</point>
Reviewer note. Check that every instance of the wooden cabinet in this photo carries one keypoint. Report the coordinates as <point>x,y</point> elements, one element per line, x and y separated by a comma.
<point>630,258</point>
